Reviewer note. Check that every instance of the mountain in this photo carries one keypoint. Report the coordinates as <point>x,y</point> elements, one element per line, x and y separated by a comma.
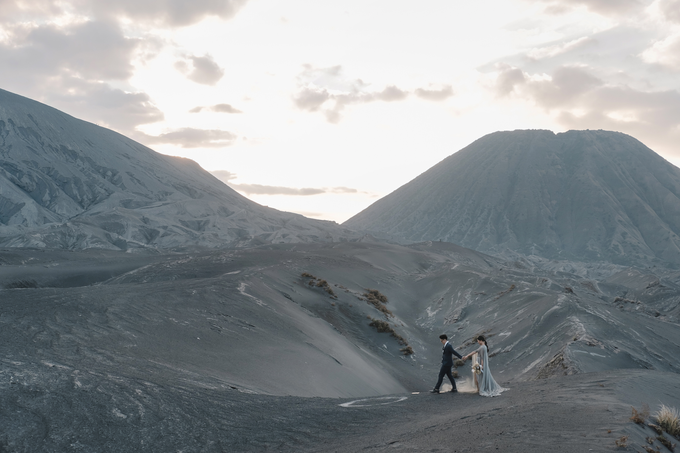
<point>579,195</point>
<point>66,183</point>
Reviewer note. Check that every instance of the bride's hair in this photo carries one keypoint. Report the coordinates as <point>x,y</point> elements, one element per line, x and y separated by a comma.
<point>481,338</point>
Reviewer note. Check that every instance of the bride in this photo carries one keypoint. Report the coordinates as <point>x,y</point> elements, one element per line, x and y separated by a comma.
<point>486,385</point>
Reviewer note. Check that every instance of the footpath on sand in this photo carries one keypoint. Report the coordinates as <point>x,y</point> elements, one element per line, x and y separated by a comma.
<point>580,413</point>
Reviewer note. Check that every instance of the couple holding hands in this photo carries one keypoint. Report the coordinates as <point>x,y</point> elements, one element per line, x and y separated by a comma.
<point>486,385</point>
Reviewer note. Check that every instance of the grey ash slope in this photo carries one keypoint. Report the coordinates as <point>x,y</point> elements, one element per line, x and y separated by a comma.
<point>579,195</point>
<point>106,351</point>
<point>66,183</point>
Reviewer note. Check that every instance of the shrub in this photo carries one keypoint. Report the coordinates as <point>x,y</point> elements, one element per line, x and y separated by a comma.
<point>381,326</point>
<point>621,442</point>
<point>384,327</point>
<point>639,417</point>
<point>375,294</point>
<point>308,275</point>
<point>656,428</point>
<point>667,418</point>
<point>375,298</point>
<point>458,363</point>
<point>666,443</point>
<point>650,450</point>
<point>408,350</point>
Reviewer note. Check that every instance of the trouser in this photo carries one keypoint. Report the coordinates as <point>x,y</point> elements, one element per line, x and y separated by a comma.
<point>445,371</point>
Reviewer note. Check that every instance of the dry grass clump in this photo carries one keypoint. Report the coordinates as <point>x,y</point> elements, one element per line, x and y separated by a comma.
<point>503,293</point>
<point>319,283</point>
<point>668,420</point>
<point>640,416</point>
<point>458,363</point>
<point>621,442</point>
<point>656,428</point>
<point>666,443</point>
<point>378,300</point>
<point>408,350</point>
<point>384,327</point>
<point>650,450</point>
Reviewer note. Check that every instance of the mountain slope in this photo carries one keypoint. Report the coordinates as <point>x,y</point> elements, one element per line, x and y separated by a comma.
<point>585,195</point>
<point>67,183</point>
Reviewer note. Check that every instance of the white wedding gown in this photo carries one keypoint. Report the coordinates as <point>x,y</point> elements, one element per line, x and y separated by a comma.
<point>487,384</point>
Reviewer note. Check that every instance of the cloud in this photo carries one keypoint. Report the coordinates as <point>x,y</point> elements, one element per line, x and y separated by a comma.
<point>258,189</point>
<point>581,100</point>
<point>69,67</point>
<point>604,7</point>
<point>665,53</point>
<point>391,93</point>
<point>435,94</point>
<point>164,13</point>
<point>203,70</point>
<point>93,50</point>
<point>112,107</point>
<point>329,91</point>
<point>218,108</point>
<point>507,78</point>
<point>559,49</point>
<point>193,138</point>
<point>671,9</point>
<point>566,88</point>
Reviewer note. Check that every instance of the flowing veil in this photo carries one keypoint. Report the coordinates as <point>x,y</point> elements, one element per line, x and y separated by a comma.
<point>487,384</point>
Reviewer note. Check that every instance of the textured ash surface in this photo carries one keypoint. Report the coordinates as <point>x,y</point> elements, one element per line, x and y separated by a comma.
<point>583,195</point>
<point>235,351</point>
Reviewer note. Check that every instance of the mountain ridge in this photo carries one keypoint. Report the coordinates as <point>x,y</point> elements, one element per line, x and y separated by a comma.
<point>67,183</point>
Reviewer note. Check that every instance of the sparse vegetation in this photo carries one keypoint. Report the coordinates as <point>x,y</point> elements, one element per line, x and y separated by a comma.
<point>668,420</point>
<point>319,283</point>
<point>408,350</point>
<point>503,293</point>
<point>384,327</point>
<point>666,443</point>
<point>621,442</point>
<point>640,416</point>
<point>656,428</point>
<point>458,363</point>
<point>378,300</point>
<point>650,450</point>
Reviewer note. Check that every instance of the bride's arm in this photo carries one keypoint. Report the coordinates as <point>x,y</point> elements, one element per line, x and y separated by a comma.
<point>470,354</point>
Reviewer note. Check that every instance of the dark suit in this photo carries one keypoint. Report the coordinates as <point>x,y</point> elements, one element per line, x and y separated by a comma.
<point>447,363</point>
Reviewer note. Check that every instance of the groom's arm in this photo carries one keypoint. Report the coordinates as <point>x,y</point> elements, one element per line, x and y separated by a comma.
<point>455,352</point>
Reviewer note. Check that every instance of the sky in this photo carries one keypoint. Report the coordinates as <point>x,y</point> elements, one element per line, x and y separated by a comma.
<point>322,107</point>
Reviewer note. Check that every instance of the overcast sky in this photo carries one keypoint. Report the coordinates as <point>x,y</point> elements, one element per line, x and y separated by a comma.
<point>321,107</point>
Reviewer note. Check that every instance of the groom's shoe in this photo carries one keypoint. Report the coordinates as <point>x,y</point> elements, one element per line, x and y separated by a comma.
<point>454,391</point>
<point>434,391</point>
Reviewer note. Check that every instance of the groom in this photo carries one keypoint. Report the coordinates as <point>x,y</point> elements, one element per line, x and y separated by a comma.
<point>447,363</point>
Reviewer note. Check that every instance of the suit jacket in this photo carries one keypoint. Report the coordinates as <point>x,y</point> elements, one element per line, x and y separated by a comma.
<point>447,356</point>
